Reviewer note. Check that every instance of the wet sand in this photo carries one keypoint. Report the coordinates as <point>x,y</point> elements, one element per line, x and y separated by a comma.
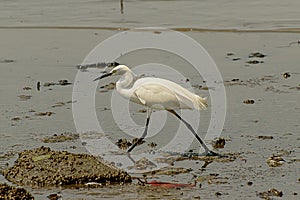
<point>254,131</point>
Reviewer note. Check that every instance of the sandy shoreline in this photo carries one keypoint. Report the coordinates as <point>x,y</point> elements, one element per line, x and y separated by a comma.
<point>32,55</point>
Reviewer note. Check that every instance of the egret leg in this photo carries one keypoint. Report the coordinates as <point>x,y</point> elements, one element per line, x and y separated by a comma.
<point>149,111</point>
<point>208,152</point>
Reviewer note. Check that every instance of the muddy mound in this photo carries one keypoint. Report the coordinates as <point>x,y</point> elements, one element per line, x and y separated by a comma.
<point>9,192</point>
<point>45,167</point>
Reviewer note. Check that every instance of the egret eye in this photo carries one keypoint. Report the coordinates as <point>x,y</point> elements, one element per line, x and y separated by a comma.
<point>114,71</point>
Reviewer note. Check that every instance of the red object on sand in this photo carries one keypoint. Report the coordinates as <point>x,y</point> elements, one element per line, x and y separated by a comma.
<point>170,185</point>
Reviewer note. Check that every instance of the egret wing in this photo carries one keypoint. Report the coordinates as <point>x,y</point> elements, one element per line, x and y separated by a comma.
<point>157,96</point>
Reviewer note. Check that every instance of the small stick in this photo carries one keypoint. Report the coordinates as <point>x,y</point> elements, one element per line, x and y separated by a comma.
<point>122,6</point>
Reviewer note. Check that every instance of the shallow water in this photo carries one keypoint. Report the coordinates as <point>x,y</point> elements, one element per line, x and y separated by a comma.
<point>49,55</point>
<point>225,14</point>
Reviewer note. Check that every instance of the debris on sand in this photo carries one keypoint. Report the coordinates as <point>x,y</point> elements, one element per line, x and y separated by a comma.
<point>84,67</point>
<point>15,119</point>
<point>201,87</point>
<point>248,101</point>
<point>93,185</point>
<point>27,88</point>
<point>142,164</point>
<point>138,141</point>
<point>48,113</point>
<point>265,137</point>
<point>271,192</point>
<point>152,145</point>
<point>7,155</point>
<point>7,61</point>
<point>273,89</point>
<point>168,171</point>
<point>256,55</point>
<point>168,160</point>
<point>38,86</point>
<point>60,82</point>
<point>123,143</point>
<point>45,167</point>
<point>275,161</point>
<point>230,54</point>
<point>66,136</point>
<point>142,110</point>
<point>54,196</point>
<point>10,192</point>
<point>24,97</point>
<point>59,104</point>
<point>212,179</point>
<point>219,143</point>
<point>236,59</point>
<point>254,62</point>
<point>107,87</point>
<point>235,79</point>
<point>170,185</point>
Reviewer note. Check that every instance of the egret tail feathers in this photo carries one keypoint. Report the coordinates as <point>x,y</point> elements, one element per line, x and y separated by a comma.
<point>202,103</point>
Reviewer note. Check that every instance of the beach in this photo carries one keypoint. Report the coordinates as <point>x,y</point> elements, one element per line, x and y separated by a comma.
<point>262,95</point>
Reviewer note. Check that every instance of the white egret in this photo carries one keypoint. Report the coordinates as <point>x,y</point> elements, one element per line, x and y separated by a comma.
<point>157,93</point>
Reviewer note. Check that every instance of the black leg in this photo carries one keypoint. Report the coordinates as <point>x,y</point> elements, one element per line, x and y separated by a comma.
<point>208,152</point>
<point>144,134</point>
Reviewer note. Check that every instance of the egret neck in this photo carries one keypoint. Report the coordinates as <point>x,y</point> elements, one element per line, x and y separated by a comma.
<point>125,84</point>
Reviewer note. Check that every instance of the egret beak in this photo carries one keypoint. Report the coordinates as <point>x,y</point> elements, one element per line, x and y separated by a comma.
<point>103,76</point>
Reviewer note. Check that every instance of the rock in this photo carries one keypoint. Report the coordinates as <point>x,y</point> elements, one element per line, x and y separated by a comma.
<point>286,75</point>
<point>275,161</point>
<point>269,193</point>
<point>250,183</point>
<point>219,143</point>
<point>44,167</point>
<point>10,192</point>
<point>248,101</point>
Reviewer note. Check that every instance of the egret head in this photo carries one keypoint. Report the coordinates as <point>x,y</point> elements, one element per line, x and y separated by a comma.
<point>118,70</point>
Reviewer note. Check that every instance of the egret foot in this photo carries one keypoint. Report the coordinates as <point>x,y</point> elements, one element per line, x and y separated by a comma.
<point>211,153</point>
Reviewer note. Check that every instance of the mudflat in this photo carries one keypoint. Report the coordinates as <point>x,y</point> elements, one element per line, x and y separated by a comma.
<point>262,117</point>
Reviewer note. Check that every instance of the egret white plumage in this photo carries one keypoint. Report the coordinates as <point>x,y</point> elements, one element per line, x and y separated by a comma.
<point>159,94</point>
